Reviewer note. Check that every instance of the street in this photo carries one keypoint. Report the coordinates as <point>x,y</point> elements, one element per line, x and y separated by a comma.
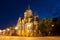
<point>28,38</point>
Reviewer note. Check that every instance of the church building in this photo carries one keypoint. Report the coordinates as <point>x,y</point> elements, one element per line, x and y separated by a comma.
<point>28,26</point>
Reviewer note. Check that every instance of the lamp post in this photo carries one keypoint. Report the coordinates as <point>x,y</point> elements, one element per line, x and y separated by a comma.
<point>16,28</point>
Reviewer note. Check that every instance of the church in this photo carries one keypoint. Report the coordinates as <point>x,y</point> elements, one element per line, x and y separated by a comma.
<point>28,26</point>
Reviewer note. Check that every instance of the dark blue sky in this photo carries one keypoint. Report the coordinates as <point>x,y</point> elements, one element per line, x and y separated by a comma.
<point>10,10</point>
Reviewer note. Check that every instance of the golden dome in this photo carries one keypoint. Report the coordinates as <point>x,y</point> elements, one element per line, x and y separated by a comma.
<point>28,12</point>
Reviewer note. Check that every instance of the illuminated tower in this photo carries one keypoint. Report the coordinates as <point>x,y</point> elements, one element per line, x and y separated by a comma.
<point>28,14</point>
<point>18,27</point>
<point>36,17</point>
<point>36,24</point>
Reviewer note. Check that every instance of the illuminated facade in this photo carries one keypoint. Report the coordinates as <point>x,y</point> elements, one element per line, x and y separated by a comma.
<point>28,26</point>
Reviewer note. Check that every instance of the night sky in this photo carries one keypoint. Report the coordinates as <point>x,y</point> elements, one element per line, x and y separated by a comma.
<point>10,10</point>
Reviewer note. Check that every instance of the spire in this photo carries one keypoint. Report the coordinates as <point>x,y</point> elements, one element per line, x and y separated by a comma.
<point>28,6</point>
<point>35,14</point>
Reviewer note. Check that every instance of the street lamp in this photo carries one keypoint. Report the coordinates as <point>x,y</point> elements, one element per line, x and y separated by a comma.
<point>16,28</point>
<point>52,25</point>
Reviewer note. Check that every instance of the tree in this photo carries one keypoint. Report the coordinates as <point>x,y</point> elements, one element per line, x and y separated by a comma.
<point>45,26</point>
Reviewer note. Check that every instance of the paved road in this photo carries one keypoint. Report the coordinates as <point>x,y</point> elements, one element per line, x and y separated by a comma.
<point>28,38</point>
